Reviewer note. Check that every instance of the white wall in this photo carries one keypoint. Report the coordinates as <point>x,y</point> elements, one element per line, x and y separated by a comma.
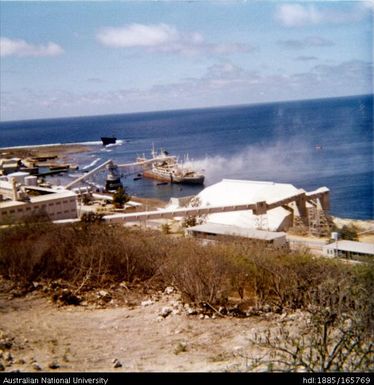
<point>56,206</point>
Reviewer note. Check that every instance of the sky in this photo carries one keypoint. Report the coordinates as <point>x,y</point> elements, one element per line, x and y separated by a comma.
<point>60,59</point>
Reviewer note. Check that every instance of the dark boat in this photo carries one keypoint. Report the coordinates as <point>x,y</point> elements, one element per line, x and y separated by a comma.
<point>108,140</point>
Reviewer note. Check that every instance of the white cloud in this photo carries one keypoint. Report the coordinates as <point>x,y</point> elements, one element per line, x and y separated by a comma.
<point>165,39</point>
<point>222,84</point>
<point>368,4</point>
<point>16,47</point>
<point>135,35</point>
<point>297,15</point>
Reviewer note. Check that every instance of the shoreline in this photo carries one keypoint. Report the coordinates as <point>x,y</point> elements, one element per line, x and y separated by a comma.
<point>63,150</point>
<point>59,149</point>
<point>36,146</point>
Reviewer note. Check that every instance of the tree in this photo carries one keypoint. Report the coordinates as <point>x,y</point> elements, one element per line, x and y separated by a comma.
<point>120,197</point>
<point>349,233</point>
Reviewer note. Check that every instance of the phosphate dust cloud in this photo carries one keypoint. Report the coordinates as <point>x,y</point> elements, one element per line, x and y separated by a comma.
<point>285,161</point>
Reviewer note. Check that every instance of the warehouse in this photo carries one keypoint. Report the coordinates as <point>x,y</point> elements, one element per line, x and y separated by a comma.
<point>284,204</point>
<point>216,231</point>
<point>349,249</point>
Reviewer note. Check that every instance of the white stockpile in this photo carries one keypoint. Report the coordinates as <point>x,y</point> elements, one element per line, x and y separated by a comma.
<point>235,192</point>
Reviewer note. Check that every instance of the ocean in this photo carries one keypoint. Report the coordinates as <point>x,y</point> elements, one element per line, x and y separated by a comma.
<point>314,143</point>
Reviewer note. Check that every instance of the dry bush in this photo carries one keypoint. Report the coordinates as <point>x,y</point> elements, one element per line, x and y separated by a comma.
<point>280,278</point>
<point>86,251</point>
<point>333,334</point>
<point>362,294</point>
<point>322,342</point>
<point>94,254</point>
<point>339,297</point>
<point>23,249</point>
<point>298,277</point>
<point>199,272</point>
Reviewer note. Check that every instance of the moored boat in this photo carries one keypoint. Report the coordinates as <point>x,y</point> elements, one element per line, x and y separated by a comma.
<point>166,168</point>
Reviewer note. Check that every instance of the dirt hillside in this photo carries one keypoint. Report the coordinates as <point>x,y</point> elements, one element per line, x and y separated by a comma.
<point>154,334</point>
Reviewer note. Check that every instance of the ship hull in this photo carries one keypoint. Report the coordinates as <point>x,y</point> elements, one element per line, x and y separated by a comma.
<point>107,140</point>
<point>199,179</point>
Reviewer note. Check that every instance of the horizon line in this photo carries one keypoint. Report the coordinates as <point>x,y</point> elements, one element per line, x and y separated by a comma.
<point>187,109</point>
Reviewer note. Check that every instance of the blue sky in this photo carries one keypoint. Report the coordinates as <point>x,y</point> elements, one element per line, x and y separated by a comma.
<point>88,58</point>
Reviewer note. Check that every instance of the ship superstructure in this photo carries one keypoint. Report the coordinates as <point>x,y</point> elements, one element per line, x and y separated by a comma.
<point>166,168</point>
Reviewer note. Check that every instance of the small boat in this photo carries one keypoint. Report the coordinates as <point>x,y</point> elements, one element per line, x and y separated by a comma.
<point>108,140</point>
<point>137,178</point>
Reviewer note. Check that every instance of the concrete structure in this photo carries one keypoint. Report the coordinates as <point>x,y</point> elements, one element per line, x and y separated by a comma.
<point>215,231</point>
<point>257,205</point>
<point>31,180</point>
<point>9,165</point>
<point>278,205</point>
<point>348,249</point>
<point>18,176</point>
<point>57,205</point>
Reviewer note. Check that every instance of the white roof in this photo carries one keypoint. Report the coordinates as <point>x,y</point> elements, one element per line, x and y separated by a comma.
<point>215,228</point>
<point>352,246</point>
<point>54,195</point>
<point>232,191</point>
<point>38,199</point>
<point>235,192</point>
<point>18,173</point>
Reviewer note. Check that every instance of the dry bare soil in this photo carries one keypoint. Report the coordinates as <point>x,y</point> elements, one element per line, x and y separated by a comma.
<point>40,335</point>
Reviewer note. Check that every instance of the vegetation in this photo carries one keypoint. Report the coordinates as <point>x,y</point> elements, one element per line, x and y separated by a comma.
<point>120,197</point>
<point>166,228</point>
<point>349,233</point>
<point>324,342</point>
<point>338,298</point>
<point>189,221</point>
<point>86,199</point>
<point>92,217</point>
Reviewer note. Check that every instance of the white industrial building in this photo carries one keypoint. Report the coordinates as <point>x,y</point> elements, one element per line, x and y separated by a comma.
<point>214,230</point>
<point>284,203</point>
<point>20,197</point>
<point>348,249</point>
<point>56,204</point>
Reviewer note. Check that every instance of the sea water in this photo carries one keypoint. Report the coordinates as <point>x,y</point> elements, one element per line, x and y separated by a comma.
<point>325,142</point>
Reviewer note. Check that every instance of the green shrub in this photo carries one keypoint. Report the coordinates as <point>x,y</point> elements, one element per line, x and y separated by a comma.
<point>120,198</point>
<point>349,233</point>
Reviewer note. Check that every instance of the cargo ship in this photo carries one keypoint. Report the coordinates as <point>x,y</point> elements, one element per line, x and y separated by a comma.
<point>166,168</point>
